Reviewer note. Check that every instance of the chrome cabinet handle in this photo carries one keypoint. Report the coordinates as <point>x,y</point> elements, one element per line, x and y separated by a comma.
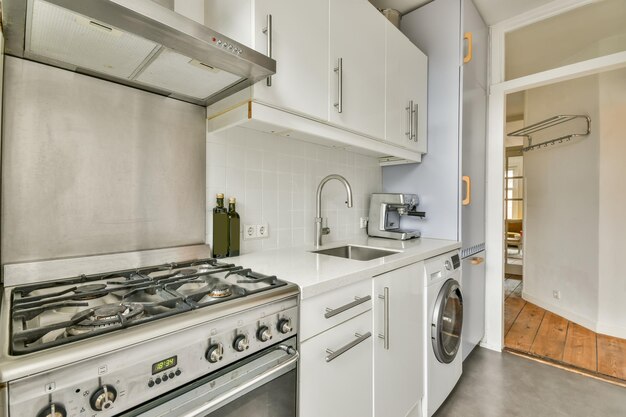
<point>331,312</point>
<point>339,71</point>
<point>334,354</point>
<point>385,334</point>
<point>409,113</point>
<point>268,31</point>
<point>414,110</point>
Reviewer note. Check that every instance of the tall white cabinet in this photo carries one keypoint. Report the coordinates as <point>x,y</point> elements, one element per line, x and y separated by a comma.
<point>451,178</point>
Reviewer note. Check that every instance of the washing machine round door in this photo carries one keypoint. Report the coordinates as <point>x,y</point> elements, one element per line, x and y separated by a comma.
<point>447,322</point>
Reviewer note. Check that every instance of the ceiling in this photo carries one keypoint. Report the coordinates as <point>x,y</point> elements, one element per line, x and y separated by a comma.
<point>492,11</point>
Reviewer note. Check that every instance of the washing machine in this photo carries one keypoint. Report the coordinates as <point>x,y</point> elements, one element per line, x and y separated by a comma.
<point>443,362</point>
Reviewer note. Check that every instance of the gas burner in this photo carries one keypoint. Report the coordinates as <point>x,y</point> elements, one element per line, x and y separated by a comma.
<point>104,316</point>
<point>220,291</point>
<point>186,272</point>
<point>89,292</point>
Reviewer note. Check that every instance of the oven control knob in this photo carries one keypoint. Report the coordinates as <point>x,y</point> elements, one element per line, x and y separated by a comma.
<point>214,353</point>
<point>241,343</point>
<point>103,398</point>
<point>284,326</point>
<point>53,410</point>
<point>263,334</point>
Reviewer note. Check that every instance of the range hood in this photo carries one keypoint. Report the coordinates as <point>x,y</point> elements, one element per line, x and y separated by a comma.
<point>134,42</point>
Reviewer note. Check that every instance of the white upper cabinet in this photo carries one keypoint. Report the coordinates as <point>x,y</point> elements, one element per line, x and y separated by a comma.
<point>357,87</point>
<point>344,75</point>
<point>299,44</point>
<point>296,31</point>
<point>406,91</point>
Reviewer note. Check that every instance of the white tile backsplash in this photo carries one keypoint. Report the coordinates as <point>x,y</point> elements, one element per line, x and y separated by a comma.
<point>275,180</point>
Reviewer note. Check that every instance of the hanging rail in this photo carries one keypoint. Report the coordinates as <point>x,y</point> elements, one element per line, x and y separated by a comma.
<point>548,123</point>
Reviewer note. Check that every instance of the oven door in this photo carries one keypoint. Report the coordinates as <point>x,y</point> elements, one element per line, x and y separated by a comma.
<point>264,385</point>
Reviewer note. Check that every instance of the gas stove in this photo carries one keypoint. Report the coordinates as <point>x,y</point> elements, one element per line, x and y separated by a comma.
<point>108,343</point>
<point>60,312</point>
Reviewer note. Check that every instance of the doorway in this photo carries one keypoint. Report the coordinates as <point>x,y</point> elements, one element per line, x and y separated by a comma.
<point>557,64</point>
<point>556,202</point>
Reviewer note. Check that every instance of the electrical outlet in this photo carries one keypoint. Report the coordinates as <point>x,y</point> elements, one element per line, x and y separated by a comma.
<point>556,294</point>
<point>262,231</point>
<point>249,231</point>
<point>363,222</point>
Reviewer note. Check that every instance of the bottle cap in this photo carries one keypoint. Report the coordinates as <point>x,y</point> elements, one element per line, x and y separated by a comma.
<point>232,200</point>
<point>220,195</point>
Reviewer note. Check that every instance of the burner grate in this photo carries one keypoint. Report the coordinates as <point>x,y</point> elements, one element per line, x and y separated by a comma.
<point>55,313</point>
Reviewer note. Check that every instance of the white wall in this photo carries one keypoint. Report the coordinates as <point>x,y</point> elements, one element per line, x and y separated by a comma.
<point>612,227</point>
<point>561,219</point>
<point>575,224</point>
<point>275,180</point>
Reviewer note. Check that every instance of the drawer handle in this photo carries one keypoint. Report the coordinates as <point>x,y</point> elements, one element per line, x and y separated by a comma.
<point>334,354</point>
<point>331,312</point>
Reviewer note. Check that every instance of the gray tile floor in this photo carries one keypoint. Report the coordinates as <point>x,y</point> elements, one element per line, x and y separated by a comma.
<point>504,385</point>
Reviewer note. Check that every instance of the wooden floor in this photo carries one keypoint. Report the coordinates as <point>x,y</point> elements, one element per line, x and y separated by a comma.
<point>533,331</point>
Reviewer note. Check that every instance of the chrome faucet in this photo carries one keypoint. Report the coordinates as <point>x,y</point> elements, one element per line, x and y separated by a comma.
<point>319,230</point>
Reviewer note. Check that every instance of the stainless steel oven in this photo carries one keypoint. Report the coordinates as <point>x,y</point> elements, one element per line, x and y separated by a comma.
<point>263,385</point>
<point>194,338</point>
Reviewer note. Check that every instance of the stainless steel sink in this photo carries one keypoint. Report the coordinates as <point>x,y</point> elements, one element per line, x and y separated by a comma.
<point>359,253</point>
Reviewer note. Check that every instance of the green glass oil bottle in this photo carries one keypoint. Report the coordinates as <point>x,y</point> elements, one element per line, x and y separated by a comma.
<point>233,228</point>
<point>220,229</point>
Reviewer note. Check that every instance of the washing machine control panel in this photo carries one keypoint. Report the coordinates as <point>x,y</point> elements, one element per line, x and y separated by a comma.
<point>456,261</point>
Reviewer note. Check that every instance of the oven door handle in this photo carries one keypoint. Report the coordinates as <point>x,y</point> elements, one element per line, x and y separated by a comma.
<point>246,387</point>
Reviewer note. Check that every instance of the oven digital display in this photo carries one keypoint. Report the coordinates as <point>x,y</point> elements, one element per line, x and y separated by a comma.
<point>164,365</point>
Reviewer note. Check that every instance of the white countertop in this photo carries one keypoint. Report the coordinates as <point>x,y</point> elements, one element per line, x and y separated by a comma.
<point>316,274</point>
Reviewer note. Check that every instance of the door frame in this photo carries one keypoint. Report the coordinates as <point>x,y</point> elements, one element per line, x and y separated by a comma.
<point>496,118</point>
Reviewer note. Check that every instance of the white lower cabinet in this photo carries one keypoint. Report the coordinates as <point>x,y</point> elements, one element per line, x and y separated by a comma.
<point>378,376</point>
<point>339,386</point>
<point>398,350</point>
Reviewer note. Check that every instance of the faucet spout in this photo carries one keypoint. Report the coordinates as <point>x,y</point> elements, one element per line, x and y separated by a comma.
<point>319,230</point>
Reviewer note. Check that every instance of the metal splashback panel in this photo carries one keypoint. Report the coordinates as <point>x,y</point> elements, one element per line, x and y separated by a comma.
<point>91,167</point>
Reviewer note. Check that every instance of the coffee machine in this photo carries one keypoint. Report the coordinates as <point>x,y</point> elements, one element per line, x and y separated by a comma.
<point>385,212</point>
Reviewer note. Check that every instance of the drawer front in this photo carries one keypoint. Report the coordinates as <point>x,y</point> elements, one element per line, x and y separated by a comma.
<point>324,311</point>
<point>333,383</point>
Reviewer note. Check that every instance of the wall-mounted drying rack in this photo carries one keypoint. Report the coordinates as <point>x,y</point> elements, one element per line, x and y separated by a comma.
<point>548,123</point>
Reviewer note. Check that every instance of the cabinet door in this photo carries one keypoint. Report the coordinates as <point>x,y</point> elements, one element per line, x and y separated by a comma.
<point>234,22</point>
<point>398,351</point>
<point>357,37</point>
<point>343,386</point>
<point>473,128</point>
<point>406,86</point>
<point>300,48</point>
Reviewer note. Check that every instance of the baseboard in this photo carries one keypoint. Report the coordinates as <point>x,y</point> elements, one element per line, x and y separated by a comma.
<point>569,315</point>
<point>615,331</point>
<point>490,346</point>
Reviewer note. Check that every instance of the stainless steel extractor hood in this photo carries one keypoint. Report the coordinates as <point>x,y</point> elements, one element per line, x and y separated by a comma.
<point>135,42</point>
